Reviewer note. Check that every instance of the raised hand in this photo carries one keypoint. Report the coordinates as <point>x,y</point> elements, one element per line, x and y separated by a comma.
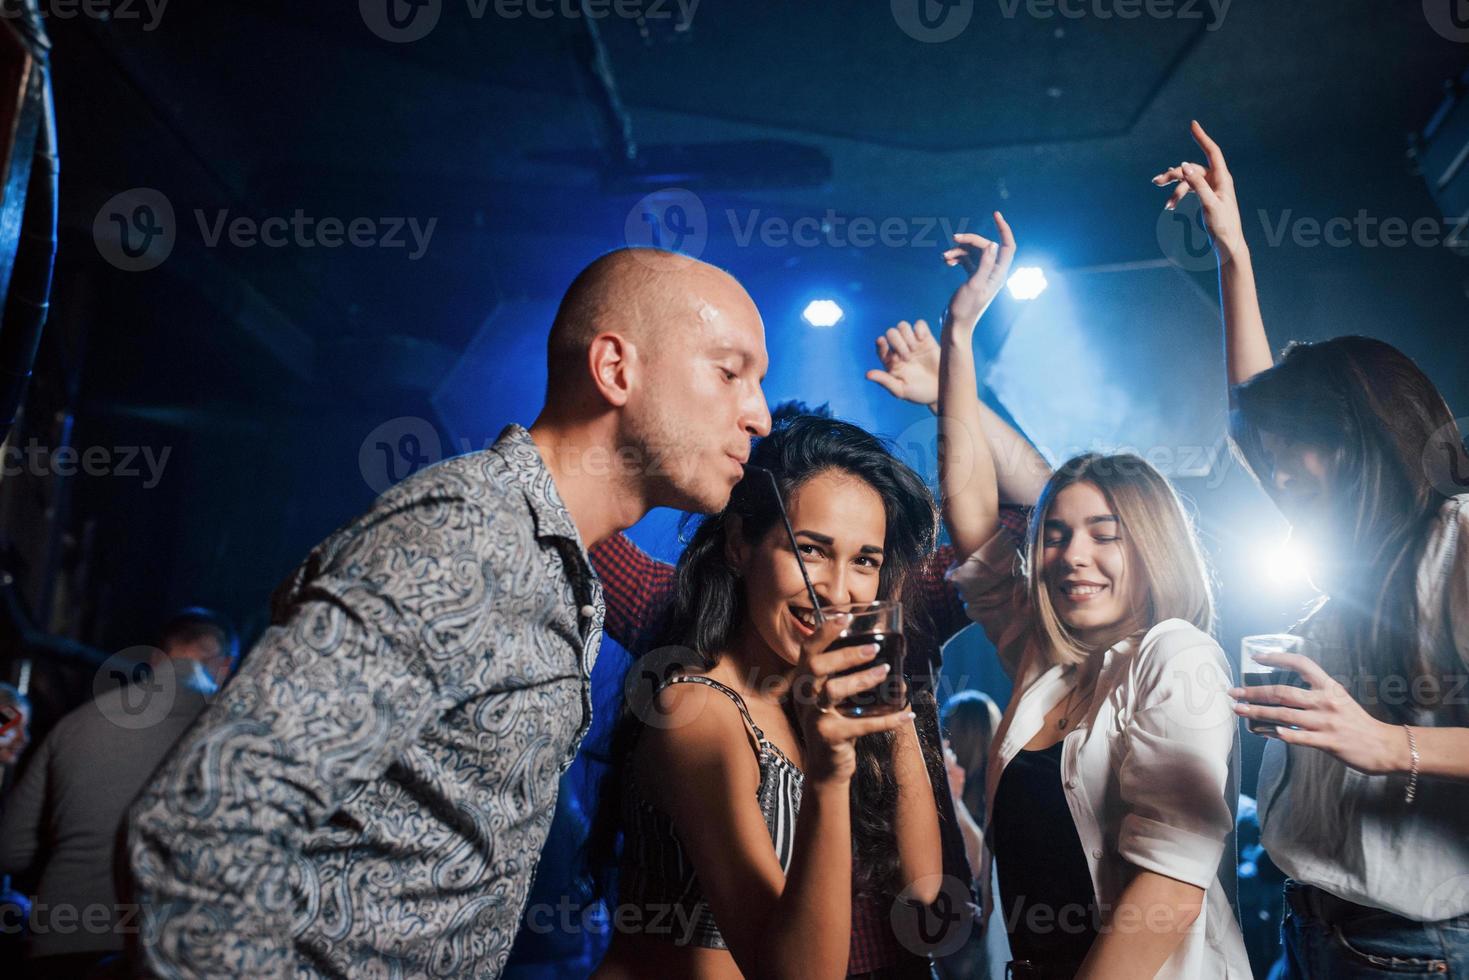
<point>910,363</point>
<point>1215,188</point>
<point>988,265</point>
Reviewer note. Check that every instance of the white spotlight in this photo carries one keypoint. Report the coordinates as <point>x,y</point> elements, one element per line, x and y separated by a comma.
<point>1286,564</point>
<point>822,313</point>
<point>1027,282</point>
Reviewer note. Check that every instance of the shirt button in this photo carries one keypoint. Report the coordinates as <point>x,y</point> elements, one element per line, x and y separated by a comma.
<point>1071,784</point>
<point>587,612</point>
<point>1097,853</point>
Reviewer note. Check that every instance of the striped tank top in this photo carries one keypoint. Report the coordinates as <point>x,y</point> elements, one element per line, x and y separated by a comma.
<point>657,878</point>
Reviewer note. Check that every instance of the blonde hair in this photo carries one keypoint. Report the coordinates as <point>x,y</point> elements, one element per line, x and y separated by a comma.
<point>1158,531</point>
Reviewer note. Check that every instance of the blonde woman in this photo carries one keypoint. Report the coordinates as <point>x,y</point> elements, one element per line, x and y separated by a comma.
<point>1109,792</point>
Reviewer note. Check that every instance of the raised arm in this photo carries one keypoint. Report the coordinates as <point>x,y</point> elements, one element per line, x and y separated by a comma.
<point>966,468</point>
<point>910,358</point>
<point>1246,347</point>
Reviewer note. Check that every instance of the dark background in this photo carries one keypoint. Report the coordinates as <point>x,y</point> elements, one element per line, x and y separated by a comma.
<point>288,384</point>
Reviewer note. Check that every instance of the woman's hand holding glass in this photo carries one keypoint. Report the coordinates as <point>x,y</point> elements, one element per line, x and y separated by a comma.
<point>1322,716</point>
<point>830,756</point>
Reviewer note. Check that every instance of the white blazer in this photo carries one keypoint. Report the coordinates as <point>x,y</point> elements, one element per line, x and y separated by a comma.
<point>1146,772</point>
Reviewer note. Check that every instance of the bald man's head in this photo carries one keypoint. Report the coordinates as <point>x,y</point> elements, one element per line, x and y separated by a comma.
<point>639,293</point>
<point>673,350</point>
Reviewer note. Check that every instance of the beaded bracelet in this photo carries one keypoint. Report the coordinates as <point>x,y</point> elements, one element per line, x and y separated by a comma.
<point>1413,771</point>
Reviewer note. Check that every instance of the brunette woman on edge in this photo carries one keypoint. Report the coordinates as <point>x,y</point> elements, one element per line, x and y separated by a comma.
<point>1364,788</point>
<point>734,806</point>
<point>1109,798</point>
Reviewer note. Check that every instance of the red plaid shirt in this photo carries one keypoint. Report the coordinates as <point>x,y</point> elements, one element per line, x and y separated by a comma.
<point>637,588</point>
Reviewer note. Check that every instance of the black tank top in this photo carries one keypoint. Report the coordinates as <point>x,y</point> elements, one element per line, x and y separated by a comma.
<point>1046,900</point>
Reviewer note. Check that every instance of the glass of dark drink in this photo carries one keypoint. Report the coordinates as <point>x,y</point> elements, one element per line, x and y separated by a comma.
<point>1255,674</point>
<point>880,623</point>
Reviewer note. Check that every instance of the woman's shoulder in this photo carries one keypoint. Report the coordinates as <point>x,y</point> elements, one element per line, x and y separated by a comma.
<point>694,721</point>
<point>1176,645</point>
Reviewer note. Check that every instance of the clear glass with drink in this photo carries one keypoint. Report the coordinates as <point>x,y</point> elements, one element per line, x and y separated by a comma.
<point>1256,674</point>
<point>880,623</point>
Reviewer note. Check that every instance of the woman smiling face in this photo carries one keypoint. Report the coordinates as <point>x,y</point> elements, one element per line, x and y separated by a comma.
<point>1088,564</point>
<point>841,529</point>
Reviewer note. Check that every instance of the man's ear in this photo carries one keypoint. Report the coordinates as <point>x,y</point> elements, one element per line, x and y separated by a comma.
<point>613,362</point>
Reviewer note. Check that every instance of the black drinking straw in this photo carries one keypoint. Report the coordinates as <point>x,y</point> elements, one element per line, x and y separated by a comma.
<point>791,534</point>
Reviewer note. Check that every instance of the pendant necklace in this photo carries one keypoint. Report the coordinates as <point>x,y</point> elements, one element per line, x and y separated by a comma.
<point>1066,709</point>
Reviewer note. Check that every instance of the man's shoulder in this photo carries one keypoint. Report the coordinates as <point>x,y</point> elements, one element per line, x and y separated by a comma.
<point>482,480</point>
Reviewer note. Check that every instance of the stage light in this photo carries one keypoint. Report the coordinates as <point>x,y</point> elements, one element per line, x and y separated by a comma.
<point>1027,282</point>
<point>1286,564</point>
<point>822,313</point>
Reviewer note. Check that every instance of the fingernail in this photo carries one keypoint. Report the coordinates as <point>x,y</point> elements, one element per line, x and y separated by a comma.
<point>884,668</point>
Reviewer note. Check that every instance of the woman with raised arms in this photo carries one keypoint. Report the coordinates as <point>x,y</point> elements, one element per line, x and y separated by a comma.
<point>1364,788</point>
<point>1110,799</point>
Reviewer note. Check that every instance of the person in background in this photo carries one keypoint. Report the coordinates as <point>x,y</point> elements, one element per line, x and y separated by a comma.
<point>1364,784</point>
<point>60,826</point>
<point>970,720</point>
<point>15,719</point>
<point>1260,902</point>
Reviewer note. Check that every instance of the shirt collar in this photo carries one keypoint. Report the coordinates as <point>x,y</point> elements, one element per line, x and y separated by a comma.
<point>525,467</point>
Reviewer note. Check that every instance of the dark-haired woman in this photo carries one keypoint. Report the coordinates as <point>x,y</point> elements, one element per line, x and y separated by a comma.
<point>732,789</point>
<point>1364,789</point>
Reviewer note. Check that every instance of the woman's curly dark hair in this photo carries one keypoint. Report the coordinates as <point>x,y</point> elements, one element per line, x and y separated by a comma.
<point>709,603</point>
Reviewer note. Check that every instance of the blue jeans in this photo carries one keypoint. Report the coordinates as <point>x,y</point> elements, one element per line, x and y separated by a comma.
<point>1372,944</point>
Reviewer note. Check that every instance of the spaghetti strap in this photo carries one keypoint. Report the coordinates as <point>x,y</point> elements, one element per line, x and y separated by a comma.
<point>722,689</point>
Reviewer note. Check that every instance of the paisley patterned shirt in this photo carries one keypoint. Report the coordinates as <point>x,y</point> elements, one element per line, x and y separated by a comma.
<point>369,796</point>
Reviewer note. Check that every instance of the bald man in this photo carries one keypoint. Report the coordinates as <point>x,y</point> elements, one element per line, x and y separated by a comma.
<point>369,796</point>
